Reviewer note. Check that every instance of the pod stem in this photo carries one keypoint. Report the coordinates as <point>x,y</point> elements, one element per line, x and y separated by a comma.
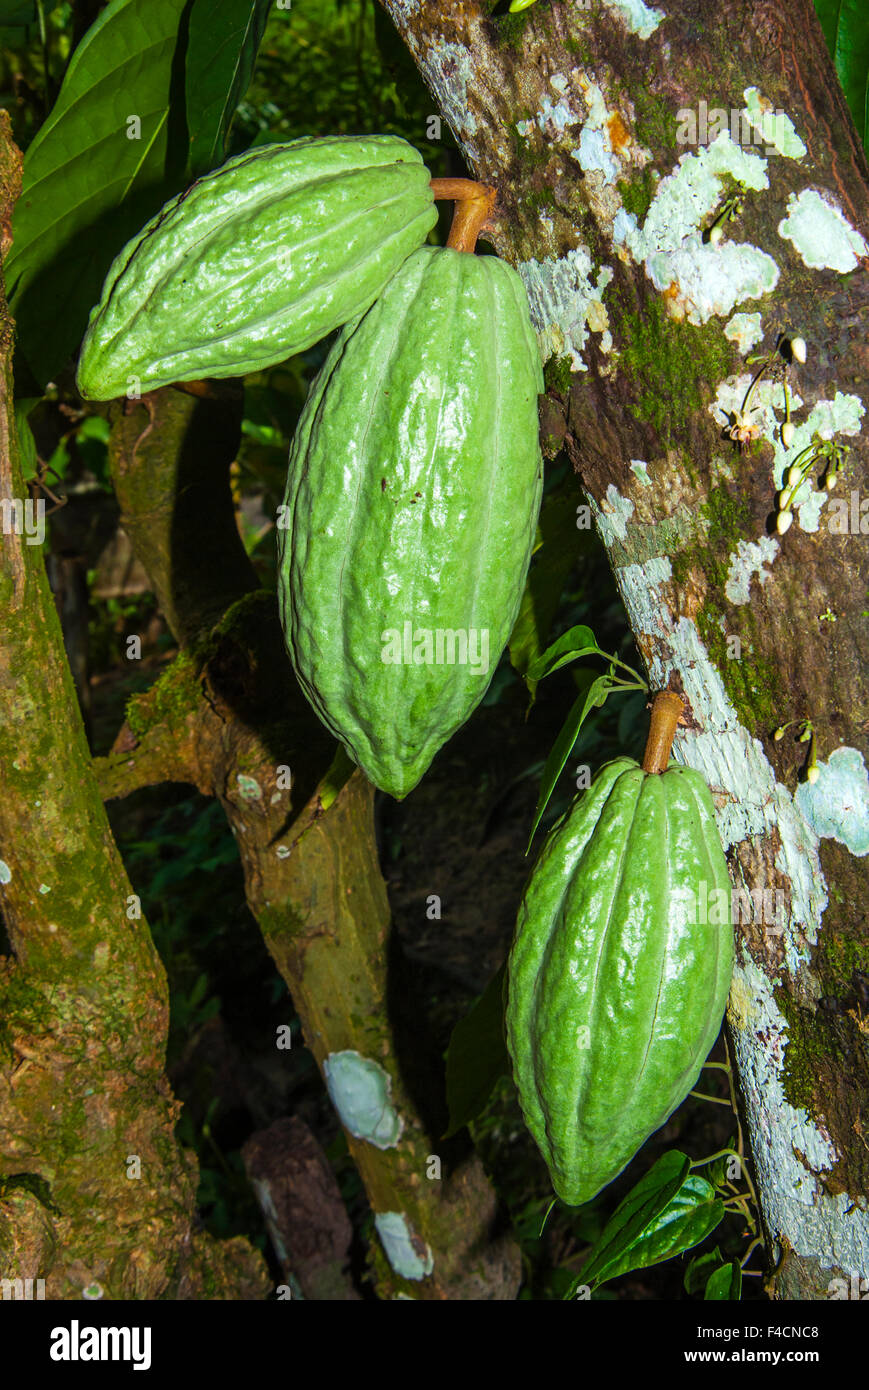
<point>474,202</point>
<point>667,708</point>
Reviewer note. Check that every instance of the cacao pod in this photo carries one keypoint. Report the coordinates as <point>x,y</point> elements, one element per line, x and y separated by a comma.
<point>619,971</point>
<point>410,510</point>
<point>256,261</point>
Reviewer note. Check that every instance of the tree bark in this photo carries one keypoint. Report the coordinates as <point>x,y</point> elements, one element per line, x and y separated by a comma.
<point>589,122</point>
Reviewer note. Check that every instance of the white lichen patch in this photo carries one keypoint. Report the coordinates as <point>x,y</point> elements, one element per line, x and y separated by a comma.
<point>640,469</point>
<point>699,279</point>
<point>408,1254</point>
<point>595,153</point>
<point>361,1092</point>
<point>775,127</point>
<point>639,17</point>
<point>745,330</point>
<point>612,515</point>
<point>837,805</point>
<point>748,560</point>
<point>796,1203</point>
<point>566,305</point>
<point>820,232</point>
<point>5,872</point>
<point>249,788</point>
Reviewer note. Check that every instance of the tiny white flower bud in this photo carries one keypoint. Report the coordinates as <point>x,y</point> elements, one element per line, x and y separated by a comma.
<point>716,234</point>
<point>798,349</point>
<point>813,773</point>
<point>830,481</point>
<point>783,521</point>
<point>787,434</point>
<point>795,475</point>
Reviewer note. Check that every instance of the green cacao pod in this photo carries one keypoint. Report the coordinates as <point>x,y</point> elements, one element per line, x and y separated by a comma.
<point>410,511</point>
<point>256,261</point>
<point>619,970</point>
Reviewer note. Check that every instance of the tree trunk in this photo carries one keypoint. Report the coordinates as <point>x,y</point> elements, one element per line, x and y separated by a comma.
<point>598,126</point>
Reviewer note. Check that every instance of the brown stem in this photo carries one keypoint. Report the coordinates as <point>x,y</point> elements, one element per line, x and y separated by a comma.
<point>474,202</point>
<point>667,708</point>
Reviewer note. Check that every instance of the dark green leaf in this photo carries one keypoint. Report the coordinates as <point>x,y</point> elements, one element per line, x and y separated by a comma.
<point>699,1269</point>
<point>846,30</point>
<point>593,692</point>
<point>689,1217</point>
<point>577,642</point>
<point>87,186</point>
<point>222,45</point>
<point>725,1283</point>
<point>639,1210</point>
<point>477,1056</point>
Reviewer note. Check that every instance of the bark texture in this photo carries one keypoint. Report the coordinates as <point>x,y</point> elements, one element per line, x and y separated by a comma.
<point>589,121</point>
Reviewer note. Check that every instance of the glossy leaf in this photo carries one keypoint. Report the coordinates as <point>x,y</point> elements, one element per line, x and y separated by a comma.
<point>725,1283</point>
<point>87,184</point>
<point>698,1270</point>
<point>223,42</point>
<point>477,1056</point>
<point>570,646</point>
<point>593,692</point>
<point>659,1219</point>
<point>643,1205</point>
<point>846,29</point>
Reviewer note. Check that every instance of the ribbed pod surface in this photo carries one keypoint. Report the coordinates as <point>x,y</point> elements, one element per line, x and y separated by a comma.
<point>256,261</point>
<point>412,499</point>
<point>615,994</point>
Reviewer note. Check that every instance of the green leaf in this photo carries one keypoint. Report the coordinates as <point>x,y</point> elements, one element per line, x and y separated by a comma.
<point>26,442</point>
<point>477,1056</point>
<point>576,642</point>
<point>725,1283</point>
<point>687,1217</point>
<point>87,186</point>
<point>550,567</point>
<point>847,33</point>
<point>223,42</point>
<point>593,692</point>
<point>698,1270</point>
<point>518,5</point>
<point>640,1209</point>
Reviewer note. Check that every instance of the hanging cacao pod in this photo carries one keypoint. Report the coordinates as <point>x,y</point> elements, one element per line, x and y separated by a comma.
<point>410,510</point>
<point>257,261</point>
<point>619,970</point>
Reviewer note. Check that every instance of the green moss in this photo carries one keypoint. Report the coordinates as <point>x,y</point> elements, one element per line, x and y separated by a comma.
<point>637,194</point>
<point>557,374</point>
<point>811,1050</point>
<point>655,123</point>
<point>671,364</point>
<point>173,695</point>
<point>728,514</point>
